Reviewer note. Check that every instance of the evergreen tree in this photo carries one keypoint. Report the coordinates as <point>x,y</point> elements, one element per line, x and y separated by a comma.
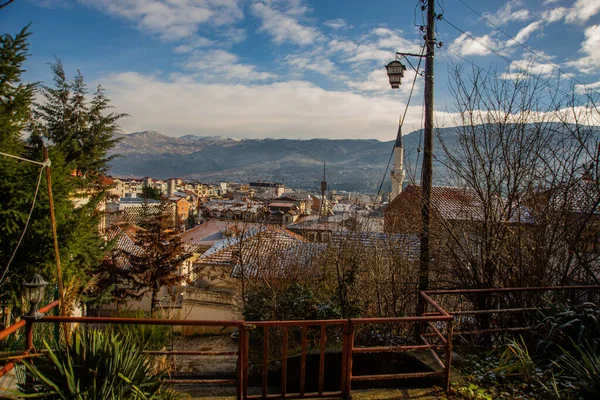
<point>163,255</point>
<point>17,179</point>
<point>83,132</point>
<point>149,192</point>
<point>69,123</point>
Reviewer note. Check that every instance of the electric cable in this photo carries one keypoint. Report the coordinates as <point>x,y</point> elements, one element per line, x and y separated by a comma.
<point>403,118</point>
<point>505,58</point>
<point>37,189</point>
<point>24,159</point>
<point>528,49</point>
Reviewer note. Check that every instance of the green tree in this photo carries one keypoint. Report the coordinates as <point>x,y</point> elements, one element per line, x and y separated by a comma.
<point>159,265</point>
<point>83,132</point>
<point>17,179</point>
<point>67,121</point>
<point>149,192</point>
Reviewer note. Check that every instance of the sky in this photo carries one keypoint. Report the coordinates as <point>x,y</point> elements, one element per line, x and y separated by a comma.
<point>296,68</point>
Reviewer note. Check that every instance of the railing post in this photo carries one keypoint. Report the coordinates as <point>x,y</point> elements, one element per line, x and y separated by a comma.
<point>450,327</point>
<point>29,333</point>
<point>347,388</point>
<point>240,363</point>
<point>344,359</point>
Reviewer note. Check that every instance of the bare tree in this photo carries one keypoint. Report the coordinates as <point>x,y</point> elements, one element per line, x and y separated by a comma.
<point>528,158</point>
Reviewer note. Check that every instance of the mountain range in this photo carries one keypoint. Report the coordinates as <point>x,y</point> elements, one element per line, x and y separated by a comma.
<point>353,165</point>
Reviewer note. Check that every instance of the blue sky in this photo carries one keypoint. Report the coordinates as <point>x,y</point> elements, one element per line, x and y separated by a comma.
<point>294,68</point>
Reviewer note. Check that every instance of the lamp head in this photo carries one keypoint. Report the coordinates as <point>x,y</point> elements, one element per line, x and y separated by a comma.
<point>34,292</point>
<point>395,72</point>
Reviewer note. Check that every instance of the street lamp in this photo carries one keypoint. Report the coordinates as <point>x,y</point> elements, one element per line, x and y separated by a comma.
<point>34,292</point>
<point>395,72</point>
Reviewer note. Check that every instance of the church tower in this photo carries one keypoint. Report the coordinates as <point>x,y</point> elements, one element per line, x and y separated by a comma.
<point>397,173</point>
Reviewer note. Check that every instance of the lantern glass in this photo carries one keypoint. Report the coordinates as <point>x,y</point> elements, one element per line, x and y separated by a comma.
<point>34,292</point>
<point>395,72</point>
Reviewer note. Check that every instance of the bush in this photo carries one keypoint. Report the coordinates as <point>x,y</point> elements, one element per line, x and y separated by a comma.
<point>581,366</point>
<point>153,337</point>
<point>93,365</point>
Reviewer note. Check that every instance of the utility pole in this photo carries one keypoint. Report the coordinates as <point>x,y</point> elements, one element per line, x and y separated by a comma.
<point>426,180</point>
<point>54,235</point>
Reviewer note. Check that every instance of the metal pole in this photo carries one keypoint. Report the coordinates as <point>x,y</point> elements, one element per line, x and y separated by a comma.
<point>54,235</point>
<point>426,178</point>
<point>29,333</point>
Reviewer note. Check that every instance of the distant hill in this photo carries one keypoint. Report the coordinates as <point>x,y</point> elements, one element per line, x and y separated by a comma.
<point>354,165</point>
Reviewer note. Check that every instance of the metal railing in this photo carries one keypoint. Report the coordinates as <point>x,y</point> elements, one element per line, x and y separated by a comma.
<point>506,311</point>
<point>278,341</point>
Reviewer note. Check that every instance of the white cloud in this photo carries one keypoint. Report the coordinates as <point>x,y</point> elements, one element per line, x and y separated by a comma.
<point>582,11</point>
<point>525,32</point>
<point>521,69</point>
<point>591,61</point>
<point>510,11</point>
<point>196,43</point>
<point>171,19</point>
<point>294,109</point>
<point>337,23</point>
<point>465,46</point>
<point>554,14</point>
<point>394,40</point>
<point>582,88</point>
<point>377,81</point>
<point>312,62</point>
<point>284,26</point>
<point>222,65</point>
<point>380,45</point>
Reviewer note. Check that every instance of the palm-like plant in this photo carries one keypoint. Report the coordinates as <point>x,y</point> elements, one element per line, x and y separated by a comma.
<point>581,366</point>
<point>93,365</point>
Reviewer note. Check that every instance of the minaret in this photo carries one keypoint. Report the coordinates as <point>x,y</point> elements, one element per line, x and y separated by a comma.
<point>397,173</point>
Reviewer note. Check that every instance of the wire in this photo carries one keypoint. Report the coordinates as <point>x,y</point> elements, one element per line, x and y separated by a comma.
<point>402,120</point>
<point>491,74</point>
<point>43,164</point>
<point>420,144</point>
<point>528,49</point>
<point>37,189</point>
<point>505,58</point>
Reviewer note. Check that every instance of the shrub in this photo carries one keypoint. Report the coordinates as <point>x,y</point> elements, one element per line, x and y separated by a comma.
<point>93,365</point>
<point>581,366</point>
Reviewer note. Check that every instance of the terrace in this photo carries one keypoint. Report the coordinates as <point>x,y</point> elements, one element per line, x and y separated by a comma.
<point>329,358</point>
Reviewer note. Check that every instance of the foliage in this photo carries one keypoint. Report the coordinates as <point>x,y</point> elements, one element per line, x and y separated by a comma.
<point>581,366</point>
<point>80,136</point>
<point>515,360</point>
<point>566,326</point>
<point>159,264</point>
<point>155,337</point>
<point>94,365</point>
<point>295,302</point>
<point>17,181</point>
<point>83,132</point>
<point>486,377</point>
<point>150,192</point>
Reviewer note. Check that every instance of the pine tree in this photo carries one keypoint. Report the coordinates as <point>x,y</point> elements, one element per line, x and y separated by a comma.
<point>83,132</point>
<point>163,255</point>
<point>68,122</point>
<point>17,179</point>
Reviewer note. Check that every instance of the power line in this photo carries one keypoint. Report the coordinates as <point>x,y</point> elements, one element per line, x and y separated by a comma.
<point>37,189</point>
<point>43,164</point>
<point>403,118</point>
<point>491,74</point>
<point>505,58</point>
<point>528,49</point>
